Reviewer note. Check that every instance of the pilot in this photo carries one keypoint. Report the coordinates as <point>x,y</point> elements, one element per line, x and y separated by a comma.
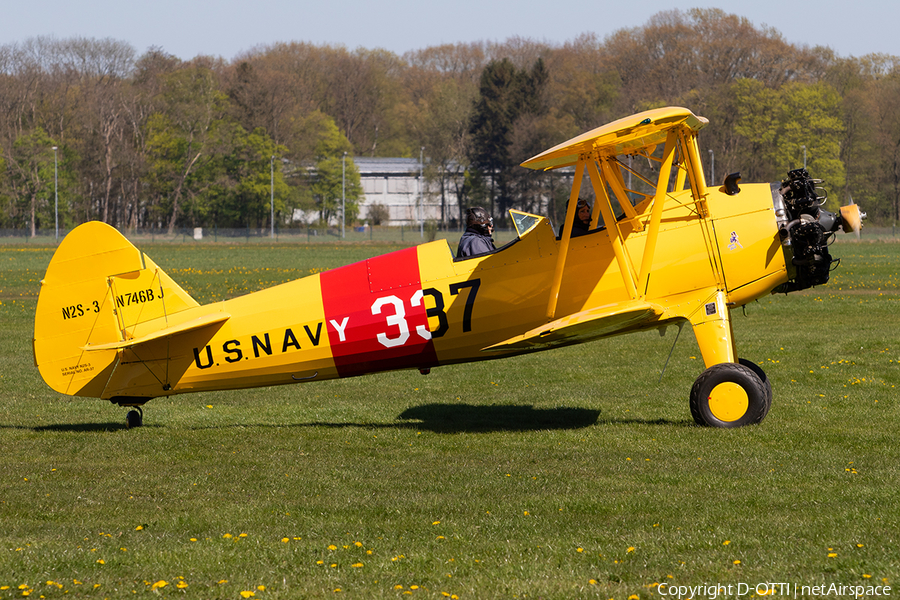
<point>582,219</point>
<point>477,237</point>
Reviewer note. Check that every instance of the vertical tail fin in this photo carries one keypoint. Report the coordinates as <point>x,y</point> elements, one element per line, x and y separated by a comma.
<point>98,290</point>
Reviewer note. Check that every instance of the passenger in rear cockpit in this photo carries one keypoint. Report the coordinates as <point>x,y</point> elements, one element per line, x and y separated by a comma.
<point>582,222</point>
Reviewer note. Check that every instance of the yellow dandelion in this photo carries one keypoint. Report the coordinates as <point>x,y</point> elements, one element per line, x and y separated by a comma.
<point>332,547</point>
<point>159,584</point>
<point>261,588</point>
<point>630,548</point>
<point>285,540</point>
<point>832,554</point>
<point>181,585</point>
<point>139,528</point>
<point>227,536</point>
<point>726,542</point>
<point>357,565</point>
<point>737,562</point>
<point>247,594</point>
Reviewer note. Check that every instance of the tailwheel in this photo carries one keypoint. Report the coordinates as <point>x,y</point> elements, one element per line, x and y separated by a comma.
<point>134,418</point>
<point>730,395</point>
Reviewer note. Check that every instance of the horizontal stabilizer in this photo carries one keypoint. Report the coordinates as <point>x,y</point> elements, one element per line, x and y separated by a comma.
<point>583,326</point>
<point>192,325</point>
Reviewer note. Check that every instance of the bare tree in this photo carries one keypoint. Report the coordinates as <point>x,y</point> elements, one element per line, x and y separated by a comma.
<point>103,68</point>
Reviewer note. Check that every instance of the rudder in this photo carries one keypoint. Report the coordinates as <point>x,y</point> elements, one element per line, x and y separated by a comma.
<point>99,289</point>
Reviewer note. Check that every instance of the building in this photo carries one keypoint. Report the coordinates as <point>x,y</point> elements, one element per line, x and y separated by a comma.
<point>396,184</point>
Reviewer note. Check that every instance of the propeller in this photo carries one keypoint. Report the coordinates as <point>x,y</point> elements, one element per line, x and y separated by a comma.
<point>852,218</point>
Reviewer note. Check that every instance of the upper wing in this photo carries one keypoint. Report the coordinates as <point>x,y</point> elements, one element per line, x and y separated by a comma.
<point>582,326</point>
<point>619,137</point>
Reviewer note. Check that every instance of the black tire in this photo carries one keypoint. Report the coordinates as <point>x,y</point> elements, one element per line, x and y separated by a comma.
<point>762,375</point>
<point>729,395</point>
<point>134,419</point>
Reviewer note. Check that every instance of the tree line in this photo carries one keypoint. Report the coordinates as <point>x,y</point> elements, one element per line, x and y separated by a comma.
<point>152,141</point>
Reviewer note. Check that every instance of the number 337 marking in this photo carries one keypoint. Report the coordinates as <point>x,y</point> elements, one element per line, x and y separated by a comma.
<point>400,334</point>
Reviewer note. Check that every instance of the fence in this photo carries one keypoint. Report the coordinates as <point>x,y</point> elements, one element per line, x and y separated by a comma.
<point>381,234</point>
<point>397,235</point>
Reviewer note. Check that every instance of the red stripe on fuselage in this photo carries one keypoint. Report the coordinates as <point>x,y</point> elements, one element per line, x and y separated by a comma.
<point>375,322</point>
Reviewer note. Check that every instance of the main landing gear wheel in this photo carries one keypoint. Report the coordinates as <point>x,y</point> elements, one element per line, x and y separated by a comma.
<point>730,395</point>
<point>134,418</point>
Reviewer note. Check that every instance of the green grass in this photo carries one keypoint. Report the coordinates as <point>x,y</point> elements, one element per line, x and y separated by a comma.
<point>570,473</point>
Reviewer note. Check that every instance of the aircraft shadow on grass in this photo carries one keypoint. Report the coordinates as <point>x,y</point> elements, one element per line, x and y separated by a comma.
<point>458,418</point>
<point>461,418</point>
<point>80,427</point>
<point>438,418</point>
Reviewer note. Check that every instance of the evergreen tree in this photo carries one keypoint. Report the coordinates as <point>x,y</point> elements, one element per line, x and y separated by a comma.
<point>506,94</point>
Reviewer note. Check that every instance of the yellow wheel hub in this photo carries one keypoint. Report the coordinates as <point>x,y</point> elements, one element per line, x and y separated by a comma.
<point>728,402</point>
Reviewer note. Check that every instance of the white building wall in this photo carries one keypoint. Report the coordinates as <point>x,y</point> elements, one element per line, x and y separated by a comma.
<point>395,184</point>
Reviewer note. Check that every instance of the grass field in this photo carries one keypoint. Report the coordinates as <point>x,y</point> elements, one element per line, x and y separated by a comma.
<point>574,473</point>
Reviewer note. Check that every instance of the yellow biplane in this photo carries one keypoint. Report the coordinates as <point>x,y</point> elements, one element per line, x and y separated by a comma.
<point>663,249</point>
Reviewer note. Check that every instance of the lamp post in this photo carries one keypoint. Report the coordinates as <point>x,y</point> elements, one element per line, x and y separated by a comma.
<point>421,197</point>
<point>343,192</point>
<point>272,194</point>
<point>804,156</point>
<point>712,167</point>
<point>56,189</point>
